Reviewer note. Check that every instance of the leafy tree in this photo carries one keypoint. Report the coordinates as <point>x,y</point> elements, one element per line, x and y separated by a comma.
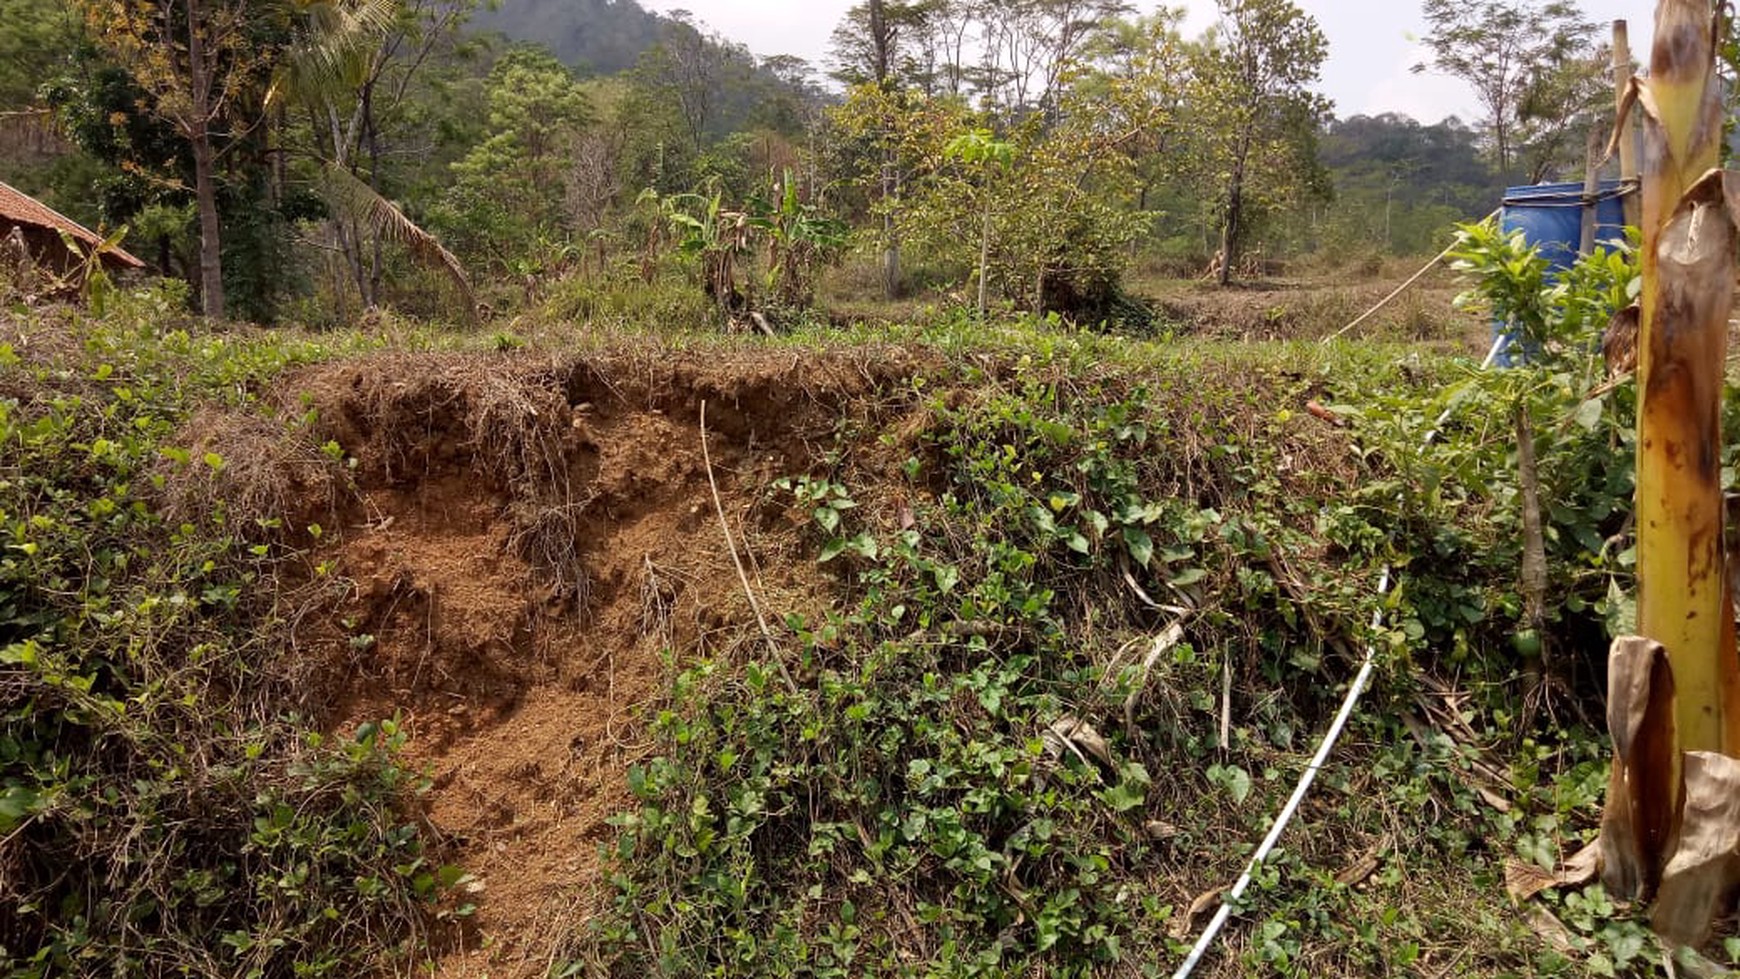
<point>876,42</point>
<point>35,36</point>
<point>204,64</point>
<point>1529,64</point>
<point>1027,45</point>
<point>1255,117</point>
<point>1036,213</point>
<point>1136,71</point>
<point>870,50</point>
<point>686,66</point>
<point>510,190</point>
<point>351,68</point>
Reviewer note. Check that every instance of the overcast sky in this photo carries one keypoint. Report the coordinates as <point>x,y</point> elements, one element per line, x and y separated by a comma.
<point>1372,43</point>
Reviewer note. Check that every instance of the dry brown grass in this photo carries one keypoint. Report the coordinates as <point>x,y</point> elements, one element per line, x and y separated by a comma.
<point>252,475</point>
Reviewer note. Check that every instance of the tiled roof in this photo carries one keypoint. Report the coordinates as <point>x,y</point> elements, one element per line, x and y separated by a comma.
<point>19,207</point>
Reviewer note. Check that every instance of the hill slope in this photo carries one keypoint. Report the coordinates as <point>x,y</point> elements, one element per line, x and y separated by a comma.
<point>602,36</point>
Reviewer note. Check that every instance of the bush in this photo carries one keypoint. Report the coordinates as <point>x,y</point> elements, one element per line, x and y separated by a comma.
<point>161,812</point>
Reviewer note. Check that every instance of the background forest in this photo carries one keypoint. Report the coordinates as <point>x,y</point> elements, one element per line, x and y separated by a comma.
<point>308,159</point>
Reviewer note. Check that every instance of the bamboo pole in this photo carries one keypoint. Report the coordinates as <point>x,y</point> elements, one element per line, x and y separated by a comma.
<point>1623,69</point>
<point>1591,193</point>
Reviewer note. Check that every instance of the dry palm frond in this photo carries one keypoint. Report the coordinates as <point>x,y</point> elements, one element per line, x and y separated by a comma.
<point>349,196</point>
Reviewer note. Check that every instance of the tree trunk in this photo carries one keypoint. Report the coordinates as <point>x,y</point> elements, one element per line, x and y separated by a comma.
<point>881,40</point>
<point>1235,202</point>
<point>1229,229</point>
<point>890,237</point>
<point>211,268</point>
<point>984,255</point>
<point>372,290</point>
<point>197,128</point>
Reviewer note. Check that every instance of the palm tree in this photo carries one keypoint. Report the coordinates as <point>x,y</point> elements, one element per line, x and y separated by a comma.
<point>333,71</point>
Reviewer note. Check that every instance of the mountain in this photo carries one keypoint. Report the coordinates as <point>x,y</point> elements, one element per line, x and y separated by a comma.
<point>597,36</point>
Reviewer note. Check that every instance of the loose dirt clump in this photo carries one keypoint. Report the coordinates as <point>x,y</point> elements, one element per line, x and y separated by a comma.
<point>527,543</point>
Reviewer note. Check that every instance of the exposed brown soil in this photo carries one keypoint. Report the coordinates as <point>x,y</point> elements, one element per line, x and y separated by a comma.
<point>525,540</point>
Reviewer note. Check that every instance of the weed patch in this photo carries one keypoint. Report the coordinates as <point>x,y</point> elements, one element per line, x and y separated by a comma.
<point>161,812</point>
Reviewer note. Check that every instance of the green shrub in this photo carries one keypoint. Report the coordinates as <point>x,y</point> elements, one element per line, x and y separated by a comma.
<point>161,812</point>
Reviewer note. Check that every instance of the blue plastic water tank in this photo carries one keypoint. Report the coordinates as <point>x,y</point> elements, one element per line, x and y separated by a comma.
<point>1550,217</point>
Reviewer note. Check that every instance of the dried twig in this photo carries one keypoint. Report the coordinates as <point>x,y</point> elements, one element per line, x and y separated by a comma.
<point>737,562</point>
<point>1169,637</point>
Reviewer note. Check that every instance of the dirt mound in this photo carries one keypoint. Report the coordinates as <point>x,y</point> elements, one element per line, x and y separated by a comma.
<point>531,542</point>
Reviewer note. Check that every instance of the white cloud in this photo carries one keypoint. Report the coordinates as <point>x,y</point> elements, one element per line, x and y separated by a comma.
<point>1428,96</point>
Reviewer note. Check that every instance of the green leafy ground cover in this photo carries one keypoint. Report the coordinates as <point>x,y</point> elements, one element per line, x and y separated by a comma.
<point>976,767</point>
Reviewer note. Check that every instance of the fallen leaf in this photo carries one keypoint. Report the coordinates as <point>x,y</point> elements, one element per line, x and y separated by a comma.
<point>1158,830</point>
<point>1551,929</point>
<point>1523,880</point>
<point>1365,866</point>
<point>1081,738</point>
<point>1184,924</point>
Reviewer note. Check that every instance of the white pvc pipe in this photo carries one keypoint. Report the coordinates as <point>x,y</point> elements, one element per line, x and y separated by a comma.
<point>1317,761</point>
<point>1360,680</point>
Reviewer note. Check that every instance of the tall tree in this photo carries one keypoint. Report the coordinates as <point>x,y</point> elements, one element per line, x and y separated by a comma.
<point>688,63</point>
<point>512,189</point>
<point>204,68</point>
<point>1028,44</point>
<point>878,42</point>
<point>1256,113</point>
<point>1524,60</point>
<point>870,48</point>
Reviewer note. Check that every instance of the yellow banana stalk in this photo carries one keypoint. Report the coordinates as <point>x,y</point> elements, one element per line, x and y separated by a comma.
<point>1682,599</point>
<point>1673,812</point>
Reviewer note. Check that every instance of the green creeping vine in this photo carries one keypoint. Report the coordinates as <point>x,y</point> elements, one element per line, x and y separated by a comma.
<point>160,812</point>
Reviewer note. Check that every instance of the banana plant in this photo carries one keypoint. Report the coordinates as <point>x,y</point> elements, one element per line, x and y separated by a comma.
<point>716,237</point>
<point>1671,829</point>
<point>87,278</point>
<point>799,240</point>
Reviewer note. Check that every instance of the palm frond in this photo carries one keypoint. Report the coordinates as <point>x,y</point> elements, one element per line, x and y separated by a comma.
<point>351,198</point>
<point>334,46</point>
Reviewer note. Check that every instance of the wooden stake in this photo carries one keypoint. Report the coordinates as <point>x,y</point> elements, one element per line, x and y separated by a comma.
<point>1591,190</point>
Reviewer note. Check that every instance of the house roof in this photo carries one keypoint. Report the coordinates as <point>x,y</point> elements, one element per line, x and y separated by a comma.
<point>21,208</point>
